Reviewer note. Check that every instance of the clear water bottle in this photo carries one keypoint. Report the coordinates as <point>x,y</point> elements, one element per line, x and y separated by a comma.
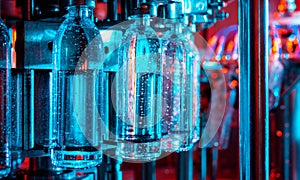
<point>180,86</point>
<point>139,92</point>
<point>76,85</point>
<point>5,101</point>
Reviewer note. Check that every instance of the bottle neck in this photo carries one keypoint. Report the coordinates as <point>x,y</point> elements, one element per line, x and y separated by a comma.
<point>141,20</point>
<point>177,27</point>
<point>80,11</point>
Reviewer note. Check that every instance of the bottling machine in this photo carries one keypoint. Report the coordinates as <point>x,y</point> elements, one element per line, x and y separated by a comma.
<point>36,140</point>
<point>108,89</point>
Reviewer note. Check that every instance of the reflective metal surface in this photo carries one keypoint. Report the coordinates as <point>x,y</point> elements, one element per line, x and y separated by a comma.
<point>38,43</point>
<point>254,116</point>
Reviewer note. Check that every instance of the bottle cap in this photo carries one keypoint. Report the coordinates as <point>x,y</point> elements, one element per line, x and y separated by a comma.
<point>173,10</point>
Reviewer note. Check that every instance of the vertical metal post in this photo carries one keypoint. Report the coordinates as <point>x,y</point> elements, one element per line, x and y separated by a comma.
<point>124,10</point>
<point>112,10</point>
<point>289,110</point>
<point>253,93</point>
<point>149,170</point>
<point>185,165</point>
<point>212,163</point>
<point>295,157</point>
<point>203,163</point>
<point>110,169</point>
<point>27,9</point>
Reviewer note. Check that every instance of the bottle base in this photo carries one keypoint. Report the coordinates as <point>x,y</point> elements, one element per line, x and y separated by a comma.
<point>176,143</point>
<point>76,159</point>
<point>185,147</point>
<point>147,151</point>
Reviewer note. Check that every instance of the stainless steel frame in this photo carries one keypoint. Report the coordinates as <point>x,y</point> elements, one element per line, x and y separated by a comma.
<point>253,104</point>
